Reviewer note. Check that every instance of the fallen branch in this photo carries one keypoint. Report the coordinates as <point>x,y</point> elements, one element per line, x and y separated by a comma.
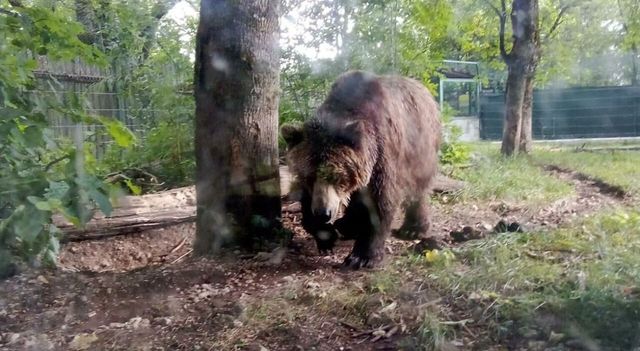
<point>184,240</point>
<point>183,256</point>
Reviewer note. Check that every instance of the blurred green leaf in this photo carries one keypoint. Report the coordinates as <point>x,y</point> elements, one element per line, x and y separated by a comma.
<point>118,131</point>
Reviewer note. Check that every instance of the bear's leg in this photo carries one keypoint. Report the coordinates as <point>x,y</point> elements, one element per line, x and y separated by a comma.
<point>416,220</point>
<point>368,249</point>
<point>324,234</point>
<point>367,252</point>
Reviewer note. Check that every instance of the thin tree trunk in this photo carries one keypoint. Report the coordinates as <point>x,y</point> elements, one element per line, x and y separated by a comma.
<point>148,34</point>
<point>522,62</point>
<point>342,41</point>
<point>85,14</point>
<point>526,131</point>
<point>236,86</point>
<point>516,84</point>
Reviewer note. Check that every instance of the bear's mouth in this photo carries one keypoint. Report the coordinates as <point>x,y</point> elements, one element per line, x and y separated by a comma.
<point>339,213</point>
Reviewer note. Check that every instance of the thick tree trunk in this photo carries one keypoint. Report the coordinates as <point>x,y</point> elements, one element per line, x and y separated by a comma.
<point>526,131</point>
<point>236,87</point>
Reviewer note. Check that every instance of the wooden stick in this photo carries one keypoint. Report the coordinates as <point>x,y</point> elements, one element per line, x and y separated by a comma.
<point>183,256</point>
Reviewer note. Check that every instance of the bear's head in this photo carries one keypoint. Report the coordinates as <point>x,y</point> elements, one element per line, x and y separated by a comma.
<point>329,162</point>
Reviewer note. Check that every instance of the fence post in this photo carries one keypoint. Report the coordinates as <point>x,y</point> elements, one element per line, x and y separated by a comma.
<point>636,115</point>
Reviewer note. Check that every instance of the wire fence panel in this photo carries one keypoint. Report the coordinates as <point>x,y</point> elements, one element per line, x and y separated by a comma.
<point>602,112</point>
<point>86,83</point>
<point>98,104</point>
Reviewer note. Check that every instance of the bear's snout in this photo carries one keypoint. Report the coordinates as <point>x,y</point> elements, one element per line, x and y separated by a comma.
<point>325,202</point>
<point>323,215</point>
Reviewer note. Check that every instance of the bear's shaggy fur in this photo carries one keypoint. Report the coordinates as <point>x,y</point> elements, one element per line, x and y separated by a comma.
<point>370,151</point>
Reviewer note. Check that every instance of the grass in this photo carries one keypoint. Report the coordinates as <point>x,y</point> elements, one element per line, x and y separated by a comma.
<point>621,168</point>
<point>516,180</point>
<point>579,285</point>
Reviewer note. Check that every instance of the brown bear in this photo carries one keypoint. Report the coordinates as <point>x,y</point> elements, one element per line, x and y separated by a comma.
<point>370,151</point>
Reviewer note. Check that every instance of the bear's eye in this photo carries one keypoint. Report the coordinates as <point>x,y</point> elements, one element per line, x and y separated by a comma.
<point>326,173</point>
<point>344,183</point>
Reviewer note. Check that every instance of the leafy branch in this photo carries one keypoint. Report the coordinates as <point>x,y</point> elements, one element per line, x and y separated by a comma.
<point>502,15</point>
<point>559,18</point>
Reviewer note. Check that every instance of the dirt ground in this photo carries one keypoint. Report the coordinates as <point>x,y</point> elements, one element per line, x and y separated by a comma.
<point>146,291</point>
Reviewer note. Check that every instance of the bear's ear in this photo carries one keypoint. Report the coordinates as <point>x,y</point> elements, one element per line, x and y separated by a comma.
<point>292,133</point>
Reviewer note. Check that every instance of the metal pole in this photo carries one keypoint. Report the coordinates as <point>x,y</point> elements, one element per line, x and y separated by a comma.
<point>478,84</point>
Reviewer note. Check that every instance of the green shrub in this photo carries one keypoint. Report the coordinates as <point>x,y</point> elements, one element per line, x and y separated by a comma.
<point>453,152</point>
<point>166,153</point>
<point>40,177</point>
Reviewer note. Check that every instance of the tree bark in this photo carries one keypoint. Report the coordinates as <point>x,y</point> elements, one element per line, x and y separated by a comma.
<point>236,88</point>
<point>85,14</point>
<point>522,62</point>
<point>526,132</point>
<point>516,84</point>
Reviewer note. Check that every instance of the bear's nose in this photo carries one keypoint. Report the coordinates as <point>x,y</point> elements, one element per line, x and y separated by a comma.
<point>323,215</point>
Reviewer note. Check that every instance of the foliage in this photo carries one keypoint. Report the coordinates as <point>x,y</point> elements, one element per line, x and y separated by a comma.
<point>453,152</point>
<point>629,11</point>
<point>38,177</point>
<point>158,88</point>
<point>304,87</point>
<point>166,153</point>
<point>152,75</point>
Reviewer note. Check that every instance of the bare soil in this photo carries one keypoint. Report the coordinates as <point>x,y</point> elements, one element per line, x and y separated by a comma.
<point>145,291</point>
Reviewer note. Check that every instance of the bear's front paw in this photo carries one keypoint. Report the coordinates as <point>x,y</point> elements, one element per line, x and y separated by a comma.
<point>325,247</point>
<point>369,260</point>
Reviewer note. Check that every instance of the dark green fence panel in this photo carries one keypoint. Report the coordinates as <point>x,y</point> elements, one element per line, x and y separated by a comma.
<point>571,113</point>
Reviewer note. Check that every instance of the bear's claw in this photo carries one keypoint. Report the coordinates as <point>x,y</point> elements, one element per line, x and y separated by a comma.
<point>354,261</point>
